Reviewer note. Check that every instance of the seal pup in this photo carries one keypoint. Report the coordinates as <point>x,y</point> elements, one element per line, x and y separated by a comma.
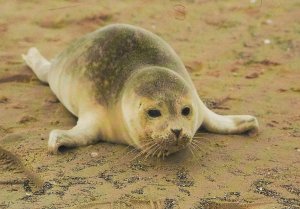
<point>127,85</point>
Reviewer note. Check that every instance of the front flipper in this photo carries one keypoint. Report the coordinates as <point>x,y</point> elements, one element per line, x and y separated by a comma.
<point>229,124</point>
<point>86,132</point>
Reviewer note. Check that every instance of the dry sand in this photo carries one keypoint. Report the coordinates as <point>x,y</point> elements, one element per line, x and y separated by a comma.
<point>244,59</point>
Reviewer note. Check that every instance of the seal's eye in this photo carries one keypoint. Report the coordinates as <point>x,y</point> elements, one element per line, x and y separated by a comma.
<point>185,111</point>
<point>153,113</point>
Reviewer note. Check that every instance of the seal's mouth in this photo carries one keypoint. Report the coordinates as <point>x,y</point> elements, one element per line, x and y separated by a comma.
<point>164,147</point>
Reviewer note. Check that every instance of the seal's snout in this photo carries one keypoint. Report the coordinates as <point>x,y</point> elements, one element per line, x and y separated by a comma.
<point>178,138</point>
<point>177,132</point>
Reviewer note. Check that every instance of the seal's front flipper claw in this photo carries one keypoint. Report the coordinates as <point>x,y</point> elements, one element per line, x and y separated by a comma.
<point>86,132</point>
<point>58,139</point>
<point>53,144</point>
<point>253,128</point>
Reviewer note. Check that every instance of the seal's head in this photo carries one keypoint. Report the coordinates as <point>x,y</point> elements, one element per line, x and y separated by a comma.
<point>159,110</point>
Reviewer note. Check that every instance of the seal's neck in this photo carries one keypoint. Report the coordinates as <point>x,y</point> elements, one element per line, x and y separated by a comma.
<point>118,129</point>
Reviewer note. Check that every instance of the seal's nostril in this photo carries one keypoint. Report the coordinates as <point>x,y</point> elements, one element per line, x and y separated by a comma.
<point>177,132</point>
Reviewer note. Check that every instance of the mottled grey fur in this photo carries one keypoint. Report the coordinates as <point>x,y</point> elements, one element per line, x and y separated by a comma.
<point>109,56</point>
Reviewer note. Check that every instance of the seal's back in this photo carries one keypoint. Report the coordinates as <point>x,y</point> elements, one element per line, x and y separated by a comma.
<point>109,56</point>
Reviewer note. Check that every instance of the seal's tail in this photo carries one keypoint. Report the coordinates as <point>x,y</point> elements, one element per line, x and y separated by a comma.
<point>37,63</point>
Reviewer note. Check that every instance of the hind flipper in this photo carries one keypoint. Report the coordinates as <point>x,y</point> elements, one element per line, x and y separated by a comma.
<point>229,124</point>
<point>37,63</point>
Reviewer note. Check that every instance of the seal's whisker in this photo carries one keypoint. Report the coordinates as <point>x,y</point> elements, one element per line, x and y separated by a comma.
<point>141,153</point>
<point>197,153</point>
<point>144,151</point>
<point>151,150</point>
<point>130,151</point>
<point>127,147</point>
<point>194,155</point>
<point>204,146</point>
<point>199,137</point>
<point>197,149</point>
<point>147,144</point>
<point>158,148</point>
<point>193,146</point>
<point>198,142</point>
<point>148,148</point>
<point>134,149</point>
<point>137,156</point>
<point>197,146</point>
<point>159,154</point>
<point>153,154</point>
<point>190,148</point>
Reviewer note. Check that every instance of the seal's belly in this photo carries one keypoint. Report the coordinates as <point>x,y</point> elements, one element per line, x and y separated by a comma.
<point>62,87</point>
<point>72,89</point>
